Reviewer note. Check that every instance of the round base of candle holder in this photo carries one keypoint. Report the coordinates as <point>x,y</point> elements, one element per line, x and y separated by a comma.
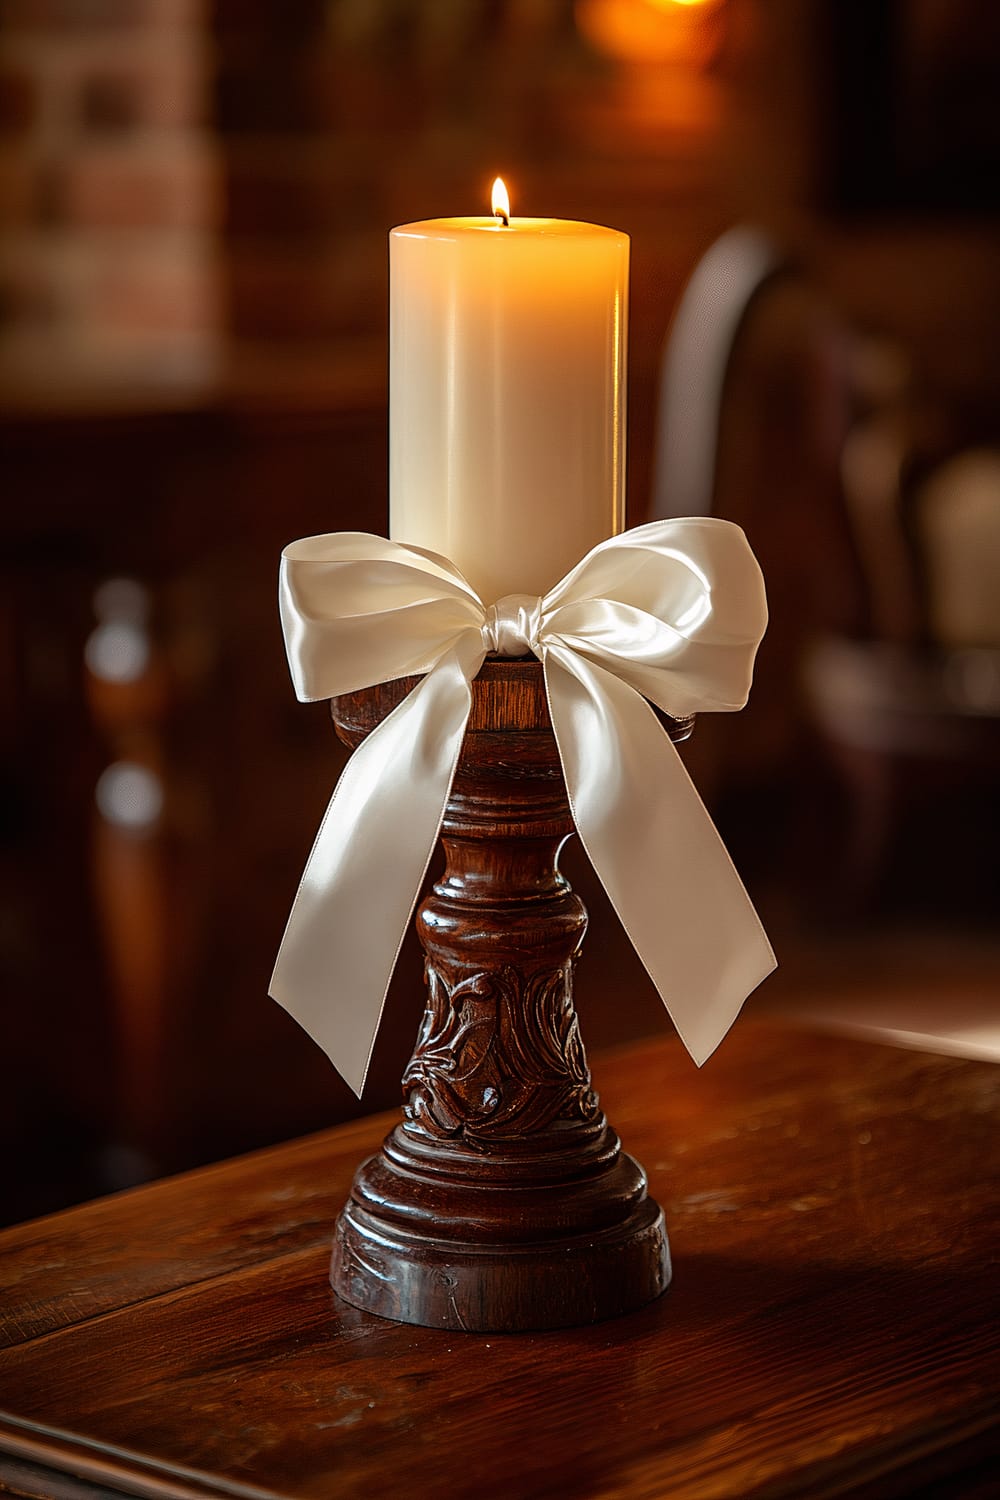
<point>461,1269</point>
<point>503,1201</point>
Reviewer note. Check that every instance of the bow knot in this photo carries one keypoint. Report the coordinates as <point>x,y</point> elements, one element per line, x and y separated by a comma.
<point>512,625</point>
<point>671,612</point>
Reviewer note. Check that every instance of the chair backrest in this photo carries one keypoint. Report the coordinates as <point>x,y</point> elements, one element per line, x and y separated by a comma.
<point>696,359</point>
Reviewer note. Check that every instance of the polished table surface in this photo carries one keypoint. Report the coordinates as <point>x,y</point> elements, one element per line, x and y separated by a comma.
<point>831,1329</point>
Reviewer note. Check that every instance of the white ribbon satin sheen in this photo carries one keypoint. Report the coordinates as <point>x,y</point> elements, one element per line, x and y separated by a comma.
<point>672,612</point>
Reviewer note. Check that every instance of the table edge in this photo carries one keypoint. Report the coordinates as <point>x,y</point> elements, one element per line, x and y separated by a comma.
<point>119,1468</point>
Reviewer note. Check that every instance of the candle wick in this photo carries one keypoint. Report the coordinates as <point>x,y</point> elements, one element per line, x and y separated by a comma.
<point>504,218</point>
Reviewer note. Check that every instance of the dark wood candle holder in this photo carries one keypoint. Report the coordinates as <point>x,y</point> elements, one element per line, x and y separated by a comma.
<point>503,1200</point>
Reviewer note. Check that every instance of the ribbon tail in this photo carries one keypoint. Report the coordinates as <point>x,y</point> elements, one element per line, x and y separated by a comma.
<point>366,868</point>
<point>656,851</point>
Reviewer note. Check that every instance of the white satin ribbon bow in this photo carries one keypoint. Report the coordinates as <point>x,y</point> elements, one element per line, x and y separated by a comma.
<point>672,612</point>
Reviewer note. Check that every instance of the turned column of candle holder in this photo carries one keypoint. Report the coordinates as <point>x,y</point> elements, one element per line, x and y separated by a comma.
<point>503,1199</point>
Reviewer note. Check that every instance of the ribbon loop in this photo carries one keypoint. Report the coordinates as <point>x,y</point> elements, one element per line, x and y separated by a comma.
<point>672,612</point>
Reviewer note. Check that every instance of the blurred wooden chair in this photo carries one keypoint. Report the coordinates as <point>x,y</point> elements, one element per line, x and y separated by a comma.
<point>916,698</point>
<point>753,409</point>
<point>882,560</point>
<point>712,314</point>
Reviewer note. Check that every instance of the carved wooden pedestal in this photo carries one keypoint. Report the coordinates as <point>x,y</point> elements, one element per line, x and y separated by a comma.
<point>503,1200</point>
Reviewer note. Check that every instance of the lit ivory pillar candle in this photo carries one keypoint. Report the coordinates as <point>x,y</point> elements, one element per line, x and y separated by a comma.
<point>507,394</point>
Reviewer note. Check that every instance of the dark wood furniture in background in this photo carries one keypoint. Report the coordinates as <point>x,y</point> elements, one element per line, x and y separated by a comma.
<point>831,1329</point>
<point>779,412</point>
<point>169,929</point>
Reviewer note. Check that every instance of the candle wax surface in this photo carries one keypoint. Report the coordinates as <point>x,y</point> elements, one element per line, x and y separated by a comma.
<point>507,394</point>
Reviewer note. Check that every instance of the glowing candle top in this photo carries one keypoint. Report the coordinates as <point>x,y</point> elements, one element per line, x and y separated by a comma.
<point>507,392</point>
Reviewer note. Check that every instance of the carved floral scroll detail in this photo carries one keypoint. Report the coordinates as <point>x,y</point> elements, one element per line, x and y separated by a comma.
<point>499,1054</point>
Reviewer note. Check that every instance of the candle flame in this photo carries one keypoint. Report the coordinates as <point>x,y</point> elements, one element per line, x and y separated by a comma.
<point>501,201</point>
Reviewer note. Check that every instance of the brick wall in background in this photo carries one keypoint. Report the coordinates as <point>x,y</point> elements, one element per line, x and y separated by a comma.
<point>173,171</point>
<point>109,192</point>
<point>180,177</point>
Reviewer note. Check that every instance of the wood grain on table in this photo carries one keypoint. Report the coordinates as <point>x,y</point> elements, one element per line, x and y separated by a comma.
<point>831,1329</point>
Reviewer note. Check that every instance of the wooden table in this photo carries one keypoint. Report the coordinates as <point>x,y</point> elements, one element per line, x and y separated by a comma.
<point>831,1329</point>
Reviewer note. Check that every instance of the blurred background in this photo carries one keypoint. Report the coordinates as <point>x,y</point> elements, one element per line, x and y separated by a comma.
<point>194,200</point>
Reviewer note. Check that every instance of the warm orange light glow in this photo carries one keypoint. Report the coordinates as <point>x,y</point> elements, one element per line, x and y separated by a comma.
<point>684,34</point>
<point>501,201</point>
